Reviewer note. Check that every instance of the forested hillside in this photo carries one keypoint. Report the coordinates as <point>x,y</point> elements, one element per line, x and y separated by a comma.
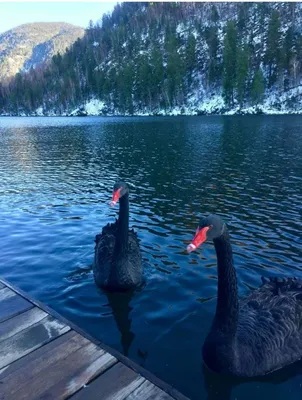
<point>29,45</point>
<point>161,58</point>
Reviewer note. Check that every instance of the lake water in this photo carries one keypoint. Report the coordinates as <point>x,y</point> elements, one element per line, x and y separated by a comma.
<point>56,179</point>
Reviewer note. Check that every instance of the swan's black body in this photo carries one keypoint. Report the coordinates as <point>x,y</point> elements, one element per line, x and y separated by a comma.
<point>258,334</point>
<point>117,260</point>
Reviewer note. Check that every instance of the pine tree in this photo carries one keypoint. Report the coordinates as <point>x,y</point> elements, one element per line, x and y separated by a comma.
<point>190,57</point>
<point>143,81</point>
<point>157,74</point>
<point>214,14</point>
<point>273,56</point>
<point>90,25</point>
<point>258,87</point>
<point>229,63</point>
<point>289,57</point>
<point>125,85</point>
<point>174,83</point>
<point>243,17</point>
<point>2,98</point>
<point>242,69</point>
<point>142,59</point>
<point>211,37</point>
<point>289,47</point>
<point>297,60</point>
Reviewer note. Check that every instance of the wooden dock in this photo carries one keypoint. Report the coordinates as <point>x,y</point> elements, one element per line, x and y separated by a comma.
<point>44,356</point>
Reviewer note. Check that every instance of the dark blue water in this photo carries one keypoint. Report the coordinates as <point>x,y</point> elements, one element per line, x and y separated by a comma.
<point>56,179</point>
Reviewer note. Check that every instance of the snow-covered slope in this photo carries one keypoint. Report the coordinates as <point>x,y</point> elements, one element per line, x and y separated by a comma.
<point>215,105</point>
<point>175,59</point>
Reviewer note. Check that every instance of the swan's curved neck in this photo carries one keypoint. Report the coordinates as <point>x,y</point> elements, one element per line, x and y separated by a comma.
<point>121,244</point>
<point>226,316</point>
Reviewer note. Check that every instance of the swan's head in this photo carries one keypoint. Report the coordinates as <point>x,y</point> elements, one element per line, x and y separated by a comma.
<point>209,228</point>
<point>119,190</point>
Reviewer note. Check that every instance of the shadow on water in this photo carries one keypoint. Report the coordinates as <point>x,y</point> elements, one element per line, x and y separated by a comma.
<point>223,391</point>
<point>120,306</point>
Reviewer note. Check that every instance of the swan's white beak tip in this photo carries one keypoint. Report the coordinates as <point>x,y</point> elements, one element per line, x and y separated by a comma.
<point>191,248</point>
<point>112,203</point>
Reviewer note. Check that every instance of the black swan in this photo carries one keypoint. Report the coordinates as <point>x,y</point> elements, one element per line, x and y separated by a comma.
<point>258,335</point>
<point>117,260</point>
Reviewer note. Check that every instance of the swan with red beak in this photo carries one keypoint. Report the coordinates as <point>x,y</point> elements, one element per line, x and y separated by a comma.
<point>199,238</point>
<point>116,196</point>
<point>117,260</point>
<point>208,228</point>
<point>258,333</point>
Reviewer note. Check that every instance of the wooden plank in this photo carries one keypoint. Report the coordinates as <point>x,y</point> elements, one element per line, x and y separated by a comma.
<point>30,339</point>
<point>22,321</point>
<point>120,357</point>
<point>40,355</point>
<point>12,304</point>
<point>148,391</point>
<point>21,372</point>
<point>115,384</point>
<point>6,293</point>
<point>49,310</point>
<point>174,393</point>
<point>58,376</point>
<point>87,370</point>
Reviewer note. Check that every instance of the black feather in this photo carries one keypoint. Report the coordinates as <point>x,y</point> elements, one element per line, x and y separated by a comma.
<point>258,334</point>
<point>117,260</point>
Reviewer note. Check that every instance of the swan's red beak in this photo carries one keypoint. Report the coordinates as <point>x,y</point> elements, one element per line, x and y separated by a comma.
<point>115,197</point>
<point>199,238</point>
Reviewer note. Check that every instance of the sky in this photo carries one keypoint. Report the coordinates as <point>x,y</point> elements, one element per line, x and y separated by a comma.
<point>13,13</point>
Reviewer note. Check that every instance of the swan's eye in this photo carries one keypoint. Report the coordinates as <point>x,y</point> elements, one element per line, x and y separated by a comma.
<point>210,226</point>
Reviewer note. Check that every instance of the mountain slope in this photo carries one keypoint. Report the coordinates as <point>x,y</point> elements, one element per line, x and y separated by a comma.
<point>173,58</point>
<point>33,44</point>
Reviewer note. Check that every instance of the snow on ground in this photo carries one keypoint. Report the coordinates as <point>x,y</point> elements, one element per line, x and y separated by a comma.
<point>92,107</point>
<point>195,33</point>
<point>210,105</point>
<point>39,112</point>
<point>180,28</point>
<point>199,102</point>
<point>257,39</point>
<point>144,36</point>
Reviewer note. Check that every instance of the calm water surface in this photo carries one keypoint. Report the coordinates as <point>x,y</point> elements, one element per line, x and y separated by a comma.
<point>56,179</point>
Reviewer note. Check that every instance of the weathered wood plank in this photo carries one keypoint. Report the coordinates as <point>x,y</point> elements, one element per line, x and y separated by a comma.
<point>30,339</point>
<point>60,376</point>
<point>115,384</point>
<point>5,293</point>
<point>41,356</point>
<point>12,304</point>
<point>50,311</point>
<point>81,376</point>
<point>22,321</point>
<point>148,391</point>
<point>9,372</point>
<point>20,373</point>
<point>174,393</point>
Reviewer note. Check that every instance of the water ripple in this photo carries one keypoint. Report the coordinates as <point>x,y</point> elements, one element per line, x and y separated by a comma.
<point>56,178</point>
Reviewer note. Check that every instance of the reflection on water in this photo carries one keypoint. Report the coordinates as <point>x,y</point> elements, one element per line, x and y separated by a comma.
<point>227,386</point>
<point>56,178</point>
<point>120,308</point>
